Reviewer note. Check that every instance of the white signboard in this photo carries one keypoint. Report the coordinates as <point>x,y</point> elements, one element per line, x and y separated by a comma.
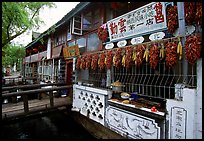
<point>150,17</point>
<point>178,123</point>
<point>122,43</point>
<point>157,36</point>
<point>137,40</point>
<point>109,46</point>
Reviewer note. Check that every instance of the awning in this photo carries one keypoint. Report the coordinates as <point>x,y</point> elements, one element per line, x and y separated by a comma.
<point>26,60</point>
<point>56,51</point>
<point>34,58</point>
<point>42,55</point>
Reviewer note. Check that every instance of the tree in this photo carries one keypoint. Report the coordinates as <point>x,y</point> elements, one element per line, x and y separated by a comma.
<point>18,17</point>
<point>13,55</point>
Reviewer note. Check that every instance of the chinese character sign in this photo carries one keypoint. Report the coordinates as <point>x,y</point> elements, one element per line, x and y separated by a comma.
<point>148,18</point>
<point>178,123</point>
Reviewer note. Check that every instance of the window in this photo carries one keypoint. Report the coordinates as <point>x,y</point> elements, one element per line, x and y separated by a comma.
<point>87,20</point>
<point>93,42</point>
<point>77,25</point>
<point>82,44</point>
<point>92,19</point>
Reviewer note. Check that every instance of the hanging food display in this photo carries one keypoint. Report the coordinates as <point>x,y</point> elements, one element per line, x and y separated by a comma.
<point>172,18</point>
<point>138,55</point>
<point>179,49</point>
<point>128,57</point>
<point>117,58</point>
<point>189,10</point>
<point>83,63</point>
<point>193,48</point>
<point>94,62</point>
<point>162,52</point>
<point>102,33</point>
<point>88,61</point>
<point>146,54</point>
<point>78,64</point>
<point>154,56</point>
<point>101,61</point>
<point>171,54</point>
<point>198,13</point>
<point>109,59</point>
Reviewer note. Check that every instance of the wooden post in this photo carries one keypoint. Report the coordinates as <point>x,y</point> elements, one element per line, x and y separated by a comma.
<point>182,32</point>
<point>25,103</point>
<point>51,99</point>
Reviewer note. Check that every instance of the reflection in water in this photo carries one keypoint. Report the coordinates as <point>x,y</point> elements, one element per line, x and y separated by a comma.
<point>55,125</point>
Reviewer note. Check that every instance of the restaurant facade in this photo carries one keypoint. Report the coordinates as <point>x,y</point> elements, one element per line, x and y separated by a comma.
<point>135,67</point>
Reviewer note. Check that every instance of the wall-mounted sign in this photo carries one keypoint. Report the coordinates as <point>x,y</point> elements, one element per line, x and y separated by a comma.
<point>157,36</point>
<point>137,40</point>
<point>189,30</point>
<point>150,17</point>
<point>109,46</point>
<point>71,51</point>
<point>122,43</point>
<point>178,123</point>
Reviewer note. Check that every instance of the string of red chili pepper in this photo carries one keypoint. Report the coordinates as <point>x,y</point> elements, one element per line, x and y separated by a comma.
<point>102,61</point>
<point>78,63</point>
<point>193,48</point>
<point>118,58</point>
<point>88,61</point>
<point>94,62</point>
<point>83,63</point>
<point>189,10</point>
<point>172,18</point>
<point>171,54</point>
<point>109,59</point>
<point>102,34</point>
<point>154,56</point>
<point>198,14</point>
<point>128,57</point>
<point>139,54</point>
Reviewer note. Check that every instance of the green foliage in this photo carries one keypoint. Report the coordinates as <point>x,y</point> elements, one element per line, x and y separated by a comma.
<point>18,17</point>
<point>14,54</point>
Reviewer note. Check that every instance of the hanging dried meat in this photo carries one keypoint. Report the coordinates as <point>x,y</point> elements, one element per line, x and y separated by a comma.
<point>172,18</point>
<point>154,56</point>
<point>171,54</point>
<point>189,10</point>
<point>94,62</point>
<point>117,58</point>
<point>109,59</point>
<point>78,64</point>
<point>198,14</point>
<point>88,61</point>
<point>193,48</point>
<point>138,55</point>
<point>101,61</point>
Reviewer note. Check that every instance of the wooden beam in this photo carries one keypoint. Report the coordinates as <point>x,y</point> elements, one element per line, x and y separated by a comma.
<point>35,91</point>
<point>30,86</point>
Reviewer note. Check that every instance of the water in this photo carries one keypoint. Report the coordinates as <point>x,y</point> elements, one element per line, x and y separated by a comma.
<point>55,125</point>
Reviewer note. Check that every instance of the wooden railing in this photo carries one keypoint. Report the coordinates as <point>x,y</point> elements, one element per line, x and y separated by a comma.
<point>25,93</point>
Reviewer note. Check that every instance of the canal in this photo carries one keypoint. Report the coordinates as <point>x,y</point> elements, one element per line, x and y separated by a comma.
<point>54,125</point>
